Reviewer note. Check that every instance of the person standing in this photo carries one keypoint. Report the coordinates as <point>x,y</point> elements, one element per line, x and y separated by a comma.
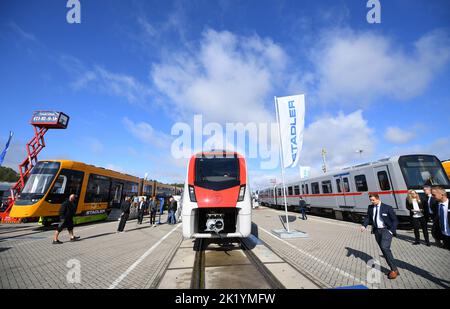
<point>384,225</point>
<point>442,215</point>
<point>125,207</point>
<point>431,208</point>
<point>66,214</point>
<point>302,207</point>
<point>153,206</point>
<point>429,203</point>
<point>417,214</point>
<point>172,210</point>
<point>141,210</point>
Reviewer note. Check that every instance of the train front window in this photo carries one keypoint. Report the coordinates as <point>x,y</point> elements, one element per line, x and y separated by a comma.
<point>217,173</point>
<point>419,171</point>
<point>40,179</point>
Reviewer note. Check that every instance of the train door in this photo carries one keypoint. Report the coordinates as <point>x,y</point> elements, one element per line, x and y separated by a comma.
<point>343,198</point>
<point>117,191</point>
<point>385,185</point>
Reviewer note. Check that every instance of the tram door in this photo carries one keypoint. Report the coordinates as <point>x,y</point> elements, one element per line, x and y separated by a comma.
<point>385,186</point>
<point>117,195</point>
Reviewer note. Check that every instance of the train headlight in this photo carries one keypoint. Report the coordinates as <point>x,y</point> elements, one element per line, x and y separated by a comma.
<point>241,194</point>
<point>192,194</point>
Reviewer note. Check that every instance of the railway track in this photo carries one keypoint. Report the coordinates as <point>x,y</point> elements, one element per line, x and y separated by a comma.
<point>212,269</point>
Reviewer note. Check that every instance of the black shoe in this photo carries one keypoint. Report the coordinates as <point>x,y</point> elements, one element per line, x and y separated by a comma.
<point>428,244</point>
<point>57,242</point>
<point>75,238</point>
<point>416,243</point>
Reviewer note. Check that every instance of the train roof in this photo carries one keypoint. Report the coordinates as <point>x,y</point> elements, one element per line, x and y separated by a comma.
<point>349,168</point>
<point>81,164</point>
<point>217,153</point>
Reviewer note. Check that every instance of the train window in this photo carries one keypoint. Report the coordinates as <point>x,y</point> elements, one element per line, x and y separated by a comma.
<point>315,188</point>
<point>346,185</point>
<point>290,192</point>
<point>279,191</point>
<point>40,179</point>
<point>130,189</point>
<point>306,189</point>
<point>361,183</point>
<point>217,173</point>
<point>383,180</point>
<point>97,189</point>
<point>297,190</point>
<point>420,170</point>
<point>68,182</point>
<point>326,186</point>
<point>338,185</point>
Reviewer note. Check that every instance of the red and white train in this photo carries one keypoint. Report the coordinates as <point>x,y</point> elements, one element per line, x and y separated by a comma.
<point>216,201</point>
<point>345,194</point>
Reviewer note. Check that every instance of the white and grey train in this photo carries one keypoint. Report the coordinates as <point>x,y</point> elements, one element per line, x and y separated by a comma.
<point>344,194</point>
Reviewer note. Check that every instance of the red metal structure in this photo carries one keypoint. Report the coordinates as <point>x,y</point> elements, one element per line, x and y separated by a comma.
<point>41,122</point>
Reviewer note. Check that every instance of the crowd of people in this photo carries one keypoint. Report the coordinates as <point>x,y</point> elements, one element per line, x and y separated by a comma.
<point>143,205</point>
<point>432,207</point>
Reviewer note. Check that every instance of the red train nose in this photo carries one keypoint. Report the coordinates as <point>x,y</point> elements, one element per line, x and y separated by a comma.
<point>210,198</point>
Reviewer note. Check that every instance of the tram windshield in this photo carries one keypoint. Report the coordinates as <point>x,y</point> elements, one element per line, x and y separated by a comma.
<point>217,173</point>
<point>419,171</point>
<point>40,179</point>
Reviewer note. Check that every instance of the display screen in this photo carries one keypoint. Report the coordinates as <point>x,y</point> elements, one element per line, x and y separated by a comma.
<point>49,119</point>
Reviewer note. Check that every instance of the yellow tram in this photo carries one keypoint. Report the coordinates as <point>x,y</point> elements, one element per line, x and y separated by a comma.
<point>99,190</point>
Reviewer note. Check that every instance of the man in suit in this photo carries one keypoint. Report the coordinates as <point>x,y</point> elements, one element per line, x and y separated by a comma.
<point>430,204</point>
<point>384,225</point>
<point>442,215</point>
<point>431,208</point>
<point>141,210</point>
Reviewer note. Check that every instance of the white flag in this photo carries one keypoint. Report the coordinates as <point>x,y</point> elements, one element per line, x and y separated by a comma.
<point>291,118</point>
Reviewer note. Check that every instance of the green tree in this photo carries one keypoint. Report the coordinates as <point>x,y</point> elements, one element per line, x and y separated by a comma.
<point>8,174</point>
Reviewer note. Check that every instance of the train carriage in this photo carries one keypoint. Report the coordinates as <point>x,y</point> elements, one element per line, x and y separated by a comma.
<point>344,194</point>
<point>216,200</point>
<point>99,191</point>
<point>446,165</point>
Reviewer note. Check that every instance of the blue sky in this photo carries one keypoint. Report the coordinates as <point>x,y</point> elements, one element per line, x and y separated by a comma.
<point>132,69</point>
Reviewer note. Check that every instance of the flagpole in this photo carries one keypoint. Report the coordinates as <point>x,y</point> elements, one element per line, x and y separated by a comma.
<point>282,164</point>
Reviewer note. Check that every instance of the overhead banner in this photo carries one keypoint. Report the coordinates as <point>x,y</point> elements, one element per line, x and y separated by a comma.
<point>291,120</point>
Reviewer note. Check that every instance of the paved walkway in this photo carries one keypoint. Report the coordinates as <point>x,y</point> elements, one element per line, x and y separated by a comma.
<point>336,253</point>
<point>134,259</point>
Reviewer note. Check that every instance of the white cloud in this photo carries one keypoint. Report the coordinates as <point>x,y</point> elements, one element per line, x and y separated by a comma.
<point>228,79</point>
<point>361,66</point>
<point>22,34</point>
<point>341,136</point>
<point>147,134</point>
<point>15,155</point>
<point>398,136</point>
<point>439,147</point>
<point>94,145</point>
<point>114,84</point>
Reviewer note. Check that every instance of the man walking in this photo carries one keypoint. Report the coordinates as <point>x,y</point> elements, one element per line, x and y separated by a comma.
<point>125,207</point>
<point>384,225</point>
<point>302,207</point>
<point>66,214</point>
<point>442,215</point>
